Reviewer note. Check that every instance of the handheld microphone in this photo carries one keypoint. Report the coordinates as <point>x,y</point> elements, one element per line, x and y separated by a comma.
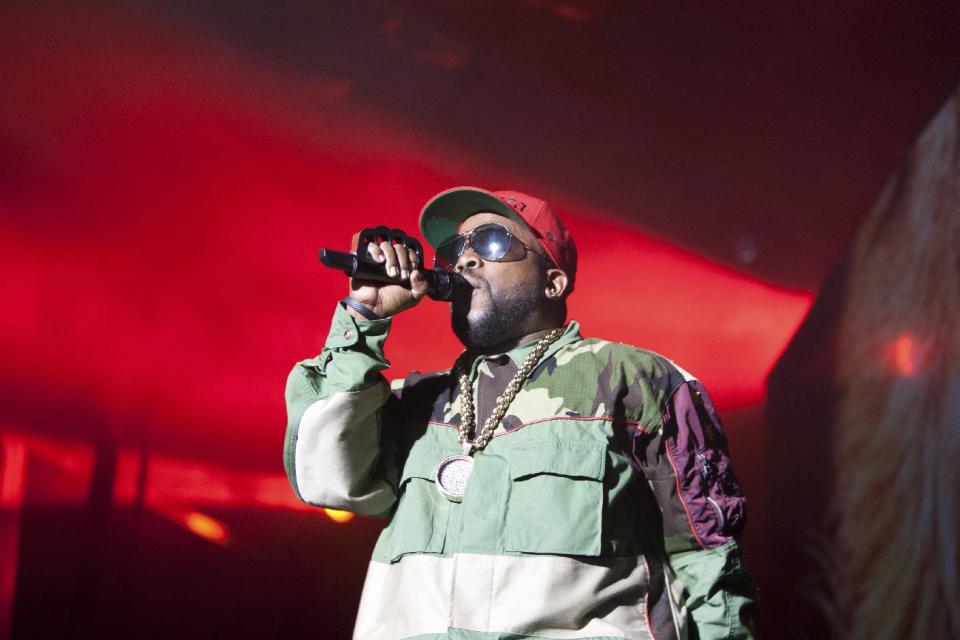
<point>443,284</point>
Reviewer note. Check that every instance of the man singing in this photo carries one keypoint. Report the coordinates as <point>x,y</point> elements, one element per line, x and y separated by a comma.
<point>547,485</point>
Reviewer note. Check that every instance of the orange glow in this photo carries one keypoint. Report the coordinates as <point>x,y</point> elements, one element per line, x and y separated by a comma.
<point>339,516</point>
<point>13,465</point>
<point>197,523</point>
<point>904,355</point>
<point>170,480</point>
<point>206,527</point>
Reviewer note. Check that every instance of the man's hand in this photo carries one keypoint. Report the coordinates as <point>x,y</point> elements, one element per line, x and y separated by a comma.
<point>390,299</point>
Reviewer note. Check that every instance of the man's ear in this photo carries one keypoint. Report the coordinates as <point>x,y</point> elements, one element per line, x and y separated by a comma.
<point>557,284</point>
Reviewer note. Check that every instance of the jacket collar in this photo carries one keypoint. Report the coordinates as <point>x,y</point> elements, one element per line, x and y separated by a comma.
<point>520,352</point>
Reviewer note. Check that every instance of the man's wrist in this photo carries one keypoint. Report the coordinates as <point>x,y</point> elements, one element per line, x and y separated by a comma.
<point>357,308</point>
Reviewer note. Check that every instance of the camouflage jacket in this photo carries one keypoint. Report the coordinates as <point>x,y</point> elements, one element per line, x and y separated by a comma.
<point>603,507</point>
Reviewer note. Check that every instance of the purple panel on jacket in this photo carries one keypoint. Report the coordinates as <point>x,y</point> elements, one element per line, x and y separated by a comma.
<point>697,450</point>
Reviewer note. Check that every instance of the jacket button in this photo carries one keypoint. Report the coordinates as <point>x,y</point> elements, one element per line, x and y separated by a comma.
<point>348,334</point>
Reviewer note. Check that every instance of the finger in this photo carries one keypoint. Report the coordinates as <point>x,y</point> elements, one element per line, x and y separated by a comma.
<point>403,260</point>
<point>414,259</point>
<point>374,252</point>
<point>418,284</point>
<point>390,259</point>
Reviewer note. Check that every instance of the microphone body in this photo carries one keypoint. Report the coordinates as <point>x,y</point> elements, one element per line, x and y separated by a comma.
<point>442,284</point>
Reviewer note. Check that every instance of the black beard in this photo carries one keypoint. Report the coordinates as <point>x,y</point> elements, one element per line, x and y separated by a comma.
<point>504,318</point>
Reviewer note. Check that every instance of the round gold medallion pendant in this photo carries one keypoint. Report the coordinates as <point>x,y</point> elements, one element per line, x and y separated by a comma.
<point>452,475</point>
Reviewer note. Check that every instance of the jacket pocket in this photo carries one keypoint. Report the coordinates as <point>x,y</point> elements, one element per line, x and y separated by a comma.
<point>721,491</point>
<point>419,523</point>
<point>556,499</point>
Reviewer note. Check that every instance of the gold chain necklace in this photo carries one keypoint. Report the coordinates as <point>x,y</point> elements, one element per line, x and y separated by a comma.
<point>454,471</point>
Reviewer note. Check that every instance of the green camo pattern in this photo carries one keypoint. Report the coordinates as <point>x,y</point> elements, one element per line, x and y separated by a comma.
<point>577,467</point>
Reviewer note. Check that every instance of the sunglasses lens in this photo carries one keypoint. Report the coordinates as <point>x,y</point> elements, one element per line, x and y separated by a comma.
<point>491,243</point>
<point>448,252</point>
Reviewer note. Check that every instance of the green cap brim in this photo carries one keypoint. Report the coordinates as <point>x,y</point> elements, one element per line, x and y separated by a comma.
<point>442,215</point>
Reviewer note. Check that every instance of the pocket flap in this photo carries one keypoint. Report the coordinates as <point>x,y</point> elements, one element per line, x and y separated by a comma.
<point>575,461</point>
<point>421,462</point>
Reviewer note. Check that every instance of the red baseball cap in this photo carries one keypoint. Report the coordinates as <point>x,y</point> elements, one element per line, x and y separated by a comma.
<point>442,215</point>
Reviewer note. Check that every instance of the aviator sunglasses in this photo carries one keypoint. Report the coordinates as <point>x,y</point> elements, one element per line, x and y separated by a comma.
<point>489,241</point>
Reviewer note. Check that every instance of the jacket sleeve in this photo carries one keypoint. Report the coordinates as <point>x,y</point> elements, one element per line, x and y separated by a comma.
<point>332,450</point>
<point>688,466</point>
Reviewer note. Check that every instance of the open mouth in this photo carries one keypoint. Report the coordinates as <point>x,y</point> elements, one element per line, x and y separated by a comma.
<point>466,298</point>
<point>475,285</point>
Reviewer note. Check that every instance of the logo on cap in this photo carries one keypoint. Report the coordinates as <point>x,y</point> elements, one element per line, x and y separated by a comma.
<point>516,204</point>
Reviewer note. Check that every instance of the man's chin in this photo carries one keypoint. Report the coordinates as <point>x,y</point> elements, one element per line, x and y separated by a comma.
<point>470,312</point>
<point>470,329</point>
